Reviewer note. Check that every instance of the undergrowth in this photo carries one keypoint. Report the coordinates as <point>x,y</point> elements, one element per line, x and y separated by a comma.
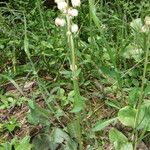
<point>84,87</point>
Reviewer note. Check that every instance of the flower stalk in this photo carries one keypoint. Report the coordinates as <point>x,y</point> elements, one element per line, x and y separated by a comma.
<point>72,28</point>
<point>69,14</point>
<point>141,98</point>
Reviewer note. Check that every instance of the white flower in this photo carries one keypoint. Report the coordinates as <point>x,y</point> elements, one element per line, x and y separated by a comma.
<point>76,3</point>
<point>60,22</point>
<point>58,1</point>
<point>74,28</point>
<point>73,12</point>
<point>147,21</point>
<point>62,6</point>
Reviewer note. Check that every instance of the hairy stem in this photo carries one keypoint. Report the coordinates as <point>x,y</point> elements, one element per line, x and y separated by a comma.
<point>73,66</point>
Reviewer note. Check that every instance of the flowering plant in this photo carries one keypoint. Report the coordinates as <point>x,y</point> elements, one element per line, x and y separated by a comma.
<point>69,13</point>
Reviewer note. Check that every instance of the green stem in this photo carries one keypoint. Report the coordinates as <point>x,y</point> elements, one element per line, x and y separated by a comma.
<point>73,67</point>
<point>146,48</point>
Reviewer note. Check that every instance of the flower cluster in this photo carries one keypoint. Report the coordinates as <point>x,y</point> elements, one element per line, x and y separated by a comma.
<point>67,10</point>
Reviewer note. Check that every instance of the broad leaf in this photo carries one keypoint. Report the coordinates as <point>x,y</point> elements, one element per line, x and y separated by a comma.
<point>144,119</point>
<point>24,144</point>
<point>6,146</point>
<point>127,115</point>
<point>123,146</point>
<point>61,139</point>
<point>41,141</point>
<point>115,135</point>
<point>38,115</point>
<point>119,140</point>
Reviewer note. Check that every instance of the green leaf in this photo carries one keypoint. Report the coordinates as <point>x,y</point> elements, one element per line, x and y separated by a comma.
<point>123,146</point>
<point>46,44</point>
<point>113,103</point>
<point>31,104</point>
<point>24,144</point>
<point>11,125</point>
<point>77,72</point>
<point>78,100</point>
<point>13,82</point>
<point>93,14</point>
<point>41,141</point>
<point>102,124</point>
<point>115,135</point>
<point>133,96</point>
<point>127,115</point>
<point>62,139</point>
<point>144,117</point>
<point>74,129</point>
<point>119,140</point>
<point>39,115</point>
<point>6,146</point>
<point>77,108</point>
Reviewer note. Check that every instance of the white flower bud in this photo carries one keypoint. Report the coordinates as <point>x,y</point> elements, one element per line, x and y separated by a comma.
<point>76,3</point>
<point>60,22</point>
<point>62,6</point>
<point>71,68</point>
<point>147,21</point>
<point>74,28</point>
<point>73,12</point>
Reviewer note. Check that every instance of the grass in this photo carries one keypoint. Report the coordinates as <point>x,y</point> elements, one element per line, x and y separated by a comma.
<point>88,90</point>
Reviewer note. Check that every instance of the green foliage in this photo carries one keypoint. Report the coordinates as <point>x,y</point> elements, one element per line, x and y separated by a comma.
<point>11,125</point>
<point>8,101</point>
<point>119,140</point>
<point>17,144</point>
<point>55,139</point>
<point>133,96</point>
<point>102,124</point>
<point>59,137</point>
<point>75,130</point>
<point>110,48</point>
<point>127,116</point>
<point>38,115</point>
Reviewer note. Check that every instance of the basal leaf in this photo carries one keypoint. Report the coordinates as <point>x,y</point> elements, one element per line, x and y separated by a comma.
<point>127,115</point>
<point>144,118</point>
<point>119,140</point>
<point>115,135</point>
